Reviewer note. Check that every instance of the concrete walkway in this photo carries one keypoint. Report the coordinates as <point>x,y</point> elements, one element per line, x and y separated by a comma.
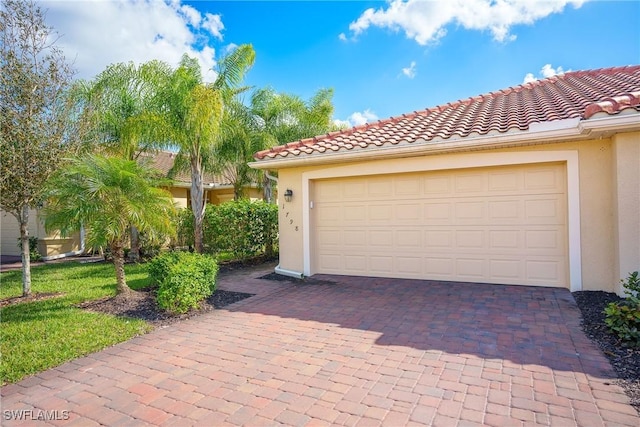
<point>343,351</point>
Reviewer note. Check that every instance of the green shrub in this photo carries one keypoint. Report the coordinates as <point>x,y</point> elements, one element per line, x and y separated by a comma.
<point>242,228</point>
<point>34,253</point>
<point>623,317</point>
<point>185,280</point>
<point>160,266</point>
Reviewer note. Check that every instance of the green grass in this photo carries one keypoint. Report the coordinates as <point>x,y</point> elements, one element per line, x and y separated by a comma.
<point>38,335</point>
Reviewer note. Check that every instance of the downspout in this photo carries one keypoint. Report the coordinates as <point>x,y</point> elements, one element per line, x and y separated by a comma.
<point>72,253</point>
<point>279,270</point>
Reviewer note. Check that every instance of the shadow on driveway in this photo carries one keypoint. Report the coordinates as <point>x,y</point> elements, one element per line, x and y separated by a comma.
<point>523,324</point>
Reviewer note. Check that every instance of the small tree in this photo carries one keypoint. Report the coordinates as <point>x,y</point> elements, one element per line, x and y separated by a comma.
<point>108,195</point>
<point>37,126</point>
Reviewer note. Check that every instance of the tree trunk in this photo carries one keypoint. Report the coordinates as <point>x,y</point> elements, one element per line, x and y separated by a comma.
<point>26,255</point>
<point>197,203</point>
<point>134,253</point>
<point>117,250</point>
<point>267,191</point>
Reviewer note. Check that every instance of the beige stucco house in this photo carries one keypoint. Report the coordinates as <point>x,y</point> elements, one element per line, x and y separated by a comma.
<point>218,189</point>
<point>537,184</point>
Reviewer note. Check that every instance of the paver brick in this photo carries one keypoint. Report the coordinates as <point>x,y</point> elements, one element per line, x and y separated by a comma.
<point>367,351</point>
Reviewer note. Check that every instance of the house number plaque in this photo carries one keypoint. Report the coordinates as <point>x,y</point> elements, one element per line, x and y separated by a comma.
<point>289,220</point>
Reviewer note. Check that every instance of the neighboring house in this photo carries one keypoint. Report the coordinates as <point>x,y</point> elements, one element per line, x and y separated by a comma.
<point>218,189</point>
<point>537,184</point>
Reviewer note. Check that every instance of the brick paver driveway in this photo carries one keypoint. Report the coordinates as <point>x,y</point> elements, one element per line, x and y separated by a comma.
<point>345,351</point>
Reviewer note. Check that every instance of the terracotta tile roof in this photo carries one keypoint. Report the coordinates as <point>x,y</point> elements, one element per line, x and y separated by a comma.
<point>164,160</point>
<point>579,94</point>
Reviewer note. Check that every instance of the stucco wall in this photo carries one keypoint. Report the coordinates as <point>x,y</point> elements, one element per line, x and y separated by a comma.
<point>10,232</point>
<point>626,205</point>
<point>179,196</point>
<point>598,161</point>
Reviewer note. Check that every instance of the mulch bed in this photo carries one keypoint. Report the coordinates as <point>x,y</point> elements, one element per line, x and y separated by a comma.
<point>142,305</point>
<point>625,360</point>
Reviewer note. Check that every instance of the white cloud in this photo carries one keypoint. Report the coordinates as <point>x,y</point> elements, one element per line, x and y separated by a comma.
<point>192,15</point>
<point>549,71</point>
<point>342,37</point>
<point>98,33</point>
<point>213,24</point>
<point>358,118</point>
<point>546,71</point>
<point>411,70</point>
<point>426,21</point>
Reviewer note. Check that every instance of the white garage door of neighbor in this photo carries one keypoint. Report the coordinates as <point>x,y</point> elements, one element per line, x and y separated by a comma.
<point>504,225</point>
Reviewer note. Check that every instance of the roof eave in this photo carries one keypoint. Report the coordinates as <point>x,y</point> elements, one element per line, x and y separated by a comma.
<point>538,133</point>
<point>550,130</point>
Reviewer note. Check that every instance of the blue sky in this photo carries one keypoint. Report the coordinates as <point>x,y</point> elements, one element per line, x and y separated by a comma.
<point>381,58</point>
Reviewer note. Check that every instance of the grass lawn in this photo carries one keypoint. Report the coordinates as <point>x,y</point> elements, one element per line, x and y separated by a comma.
<point>38,335</point>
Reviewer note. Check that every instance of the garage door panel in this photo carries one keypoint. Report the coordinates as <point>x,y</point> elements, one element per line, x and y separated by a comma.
<point>355,264</point>
<point>408,186</point>
<point>505,210</point>
<point>380,238</point>
<point>330,262</point>
<point>380,188</point>
<point>408,265</point>
<point>439,267</point>
<point>495,225</point>
<point>355,238</point>
<point>470,212</point>
<point>471,268</point>
<point>353,213</point>
<point>438,213</point>
<point>506,270</point>
<point>408,212</point>
<point>409,239</point>
<point>470,239</point>
<point>505,239</point>
<point>381,265</point>
<point>543,271</point>
<point>379,213</point>
<point>437,184</point>
<point>470,184</point>
<point>438,239</point>
<point>549,178</point>
<point>505,182</point>
<point>354,190</point>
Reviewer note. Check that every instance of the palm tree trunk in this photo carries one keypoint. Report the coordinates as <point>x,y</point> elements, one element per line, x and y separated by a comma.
<point>134,253</point>
<point>197,203</point>
<point>117,249</point>
<point>267,191</point>
<point>26,255</point>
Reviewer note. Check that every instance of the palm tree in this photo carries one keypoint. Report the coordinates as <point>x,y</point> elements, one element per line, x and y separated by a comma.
<point>124,109</point>
<point>270,119</point>
<point>108,195</point>
<point>194,115</point>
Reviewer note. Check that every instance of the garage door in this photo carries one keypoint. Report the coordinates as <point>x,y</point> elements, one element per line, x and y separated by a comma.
<point>503,225</point>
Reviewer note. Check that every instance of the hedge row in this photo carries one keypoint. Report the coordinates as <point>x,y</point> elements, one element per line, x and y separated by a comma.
<point>242,228</point>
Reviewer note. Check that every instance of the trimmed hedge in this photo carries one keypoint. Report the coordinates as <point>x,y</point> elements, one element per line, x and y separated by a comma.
<point>184,280</point>
<point>242,228</point>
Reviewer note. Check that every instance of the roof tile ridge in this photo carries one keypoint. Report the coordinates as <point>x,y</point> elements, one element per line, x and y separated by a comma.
<point>613,104</point>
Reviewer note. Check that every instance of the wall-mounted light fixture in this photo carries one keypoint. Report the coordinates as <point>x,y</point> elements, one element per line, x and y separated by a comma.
<point>288,195</point>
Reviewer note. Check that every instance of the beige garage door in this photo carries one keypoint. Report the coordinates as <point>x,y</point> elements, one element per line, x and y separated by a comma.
<point>494,225</point>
